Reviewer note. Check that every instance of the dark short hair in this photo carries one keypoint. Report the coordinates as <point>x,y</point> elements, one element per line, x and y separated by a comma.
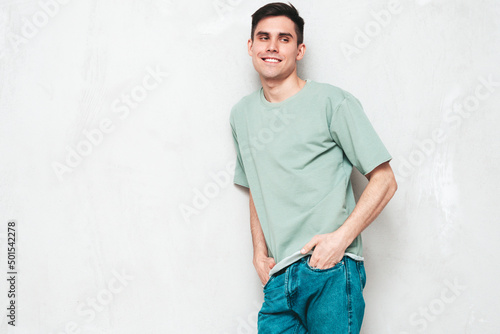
<point>280,9</point>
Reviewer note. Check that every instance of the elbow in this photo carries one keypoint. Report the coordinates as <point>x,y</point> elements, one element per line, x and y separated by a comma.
<point>393,185</point>
<point>384,176</point>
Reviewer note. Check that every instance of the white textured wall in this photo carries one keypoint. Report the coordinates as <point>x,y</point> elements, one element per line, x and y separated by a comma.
<point>103,245</point>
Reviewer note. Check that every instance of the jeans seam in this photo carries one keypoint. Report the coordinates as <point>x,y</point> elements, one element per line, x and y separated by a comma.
<point>296,329</point>
<point>358,267</point>
<point>363,276</point>
<point>287,291</point>
<point>349,306</point>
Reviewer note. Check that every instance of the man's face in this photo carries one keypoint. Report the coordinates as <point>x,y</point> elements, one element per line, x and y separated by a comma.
<point>274,50</point>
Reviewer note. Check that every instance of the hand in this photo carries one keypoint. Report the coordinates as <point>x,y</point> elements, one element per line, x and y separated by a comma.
<point>263,264</point>
<point>329,250</point>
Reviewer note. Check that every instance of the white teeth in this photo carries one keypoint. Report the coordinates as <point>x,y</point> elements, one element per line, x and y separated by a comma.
<point>271,60</point>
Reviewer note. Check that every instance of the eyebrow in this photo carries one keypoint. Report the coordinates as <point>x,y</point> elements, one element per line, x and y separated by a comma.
<point>281,34</point>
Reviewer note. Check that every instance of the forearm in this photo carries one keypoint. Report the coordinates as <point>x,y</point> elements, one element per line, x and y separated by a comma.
<point>258,240</point>
<point>379,191</point>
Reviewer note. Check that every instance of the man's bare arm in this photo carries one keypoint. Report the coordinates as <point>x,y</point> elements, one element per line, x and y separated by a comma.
<point>330,247</point>
<point>379,191</point>
<point>261,261</point>
<point>258,240</point>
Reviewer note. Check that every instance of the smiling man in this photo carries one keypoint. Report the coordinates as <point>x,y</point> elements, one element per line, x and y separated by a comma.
<point>296,142</point>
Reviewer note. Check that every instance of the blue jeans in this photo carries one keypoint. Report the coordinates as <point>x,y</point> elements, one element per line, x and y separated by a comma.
<point>304,299</point>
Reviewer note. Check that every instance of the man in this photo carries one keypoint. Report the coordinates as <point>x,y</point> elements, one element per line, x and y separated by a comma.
<point>296,142</point>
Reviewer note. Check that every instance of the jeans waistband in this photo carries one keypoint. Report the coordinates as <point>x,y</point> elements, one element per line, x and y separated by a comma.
<point>281,271</point>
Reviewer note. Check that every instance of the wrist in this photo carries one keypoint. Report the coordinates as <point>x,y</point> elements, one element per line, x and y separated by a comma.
<point>345,235</point>
<point>259,255</point>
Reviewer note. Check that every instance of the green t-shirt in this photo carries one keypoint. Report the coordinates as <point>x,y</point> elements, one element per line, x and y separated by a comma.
<point>296,156</point>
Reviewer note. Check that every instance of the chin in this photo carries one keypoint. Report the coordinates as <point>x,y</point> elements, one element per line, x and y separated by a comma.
<point>270,77</point>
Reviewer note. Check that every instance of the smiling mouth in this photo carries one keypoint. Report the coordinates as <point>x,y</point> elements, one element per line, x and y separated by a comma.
<point>271,60</point>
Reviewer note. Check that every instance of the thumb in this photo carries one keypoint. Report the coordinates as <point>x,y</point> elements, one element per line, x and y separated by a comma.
<point>309,246</point>
<point>272,263</point>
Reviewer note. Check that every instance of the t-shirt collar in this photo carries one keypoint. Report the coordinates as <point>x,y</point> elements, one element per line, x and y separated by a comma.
<point>276,104</point>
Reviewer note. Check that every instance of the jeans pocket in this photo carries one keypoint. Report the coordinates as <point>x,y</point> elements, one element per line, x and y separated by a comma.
<point>362,273</point>
<point>335,267</point>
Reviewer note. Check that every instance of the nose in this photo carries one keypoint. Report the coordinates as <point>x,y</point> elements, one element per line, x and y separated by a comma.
<point>272,46</point>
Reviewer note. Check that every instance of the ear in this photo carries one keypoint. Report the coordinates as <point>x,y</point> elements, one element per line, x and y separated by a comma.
<point>301,51</point>
<point>249,45</point>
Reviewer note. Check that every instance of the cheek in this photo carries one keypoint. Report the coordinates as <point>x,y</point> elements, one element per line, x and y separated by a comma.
<point>291,54</point>
<point>256,61</point>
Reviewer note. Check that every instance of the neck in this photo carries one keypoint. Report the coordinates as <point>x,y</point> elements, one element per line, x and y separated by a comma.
<point>276,90</point>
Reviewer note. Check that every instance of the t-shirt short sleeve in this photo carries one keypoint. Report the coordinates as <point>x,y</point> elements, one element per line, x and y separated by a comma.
<point>352,131</point>
<point>240,177</point>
